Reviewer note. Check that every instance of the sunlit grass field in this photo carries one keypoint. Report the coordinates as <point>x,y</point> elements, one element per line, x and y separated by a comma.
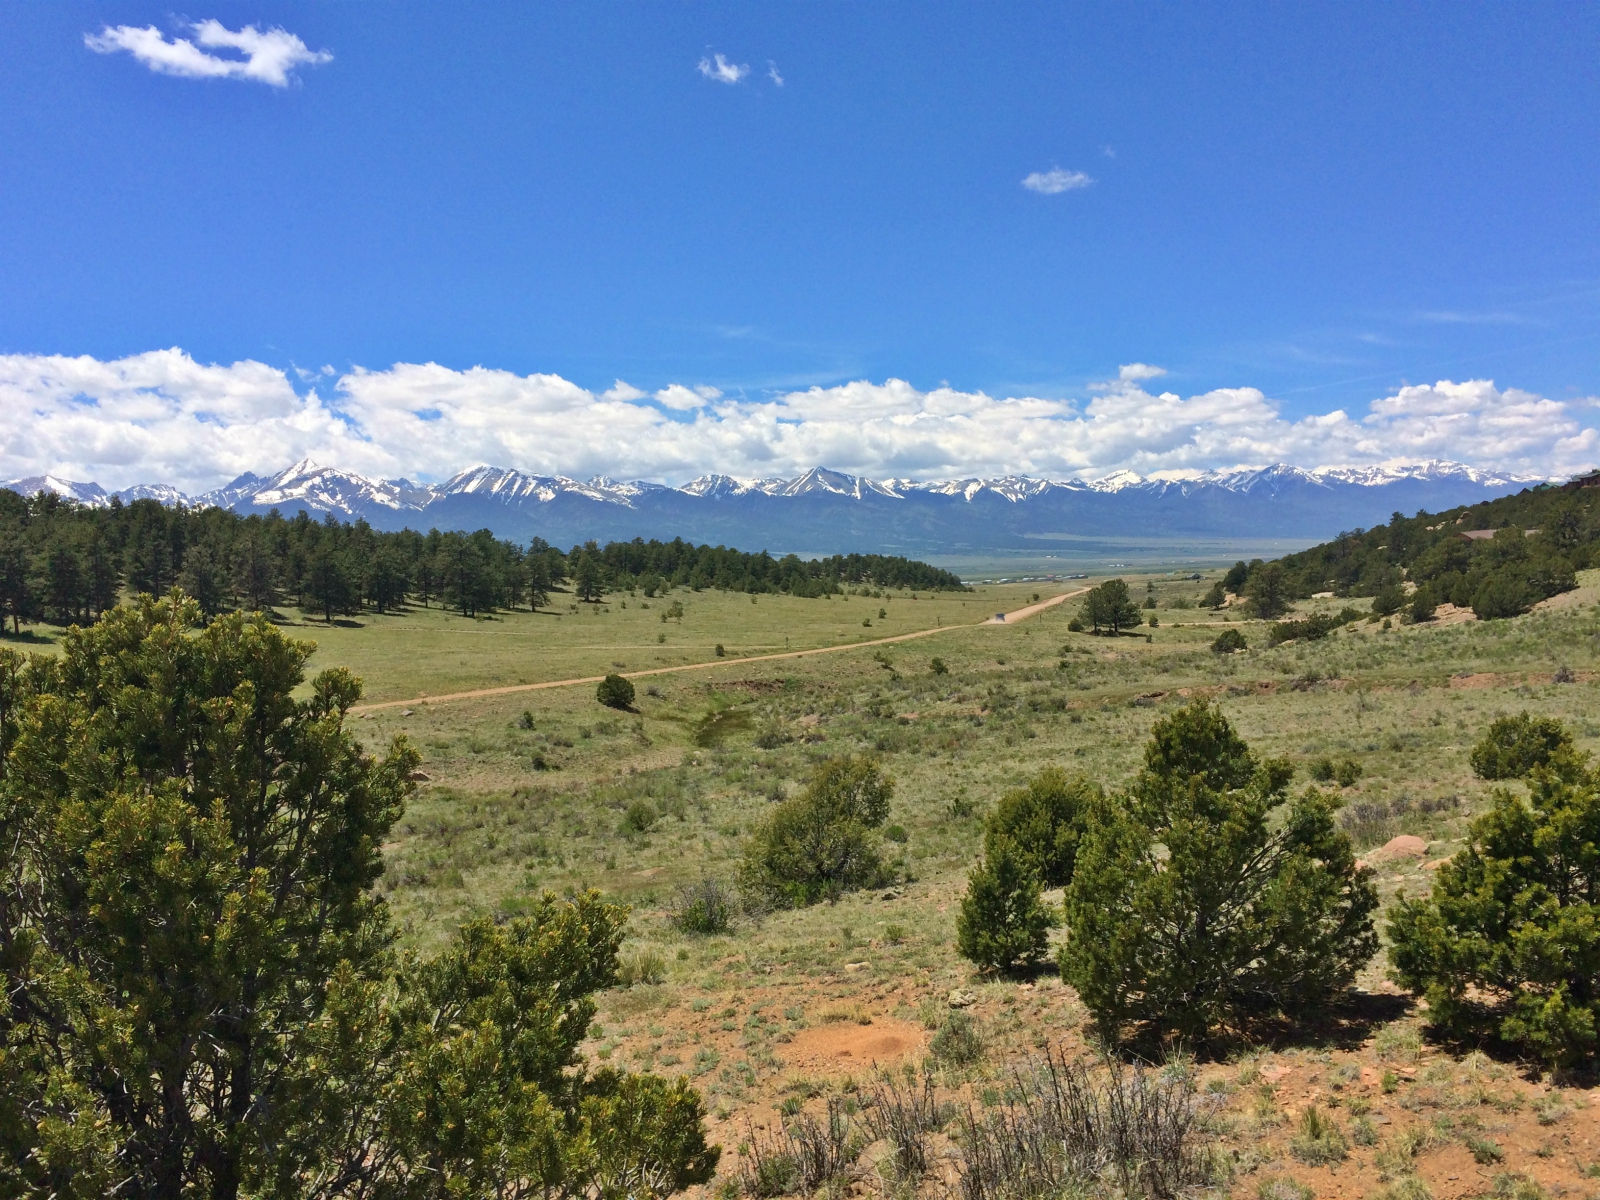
<point>530,792</point>
<point>508,810</point>
<point>426,651</point>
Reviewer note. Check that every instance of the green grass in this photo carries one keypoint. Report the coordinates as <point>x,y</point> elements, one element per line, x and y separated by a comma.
<point>511,808</point>
<point>490,828</point>
<point>428,651</point>
<point>507,812</point>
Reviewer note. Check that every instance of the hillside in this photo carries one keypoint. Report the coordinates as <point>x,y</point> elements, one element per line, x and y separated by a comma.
<point>1498,557</point>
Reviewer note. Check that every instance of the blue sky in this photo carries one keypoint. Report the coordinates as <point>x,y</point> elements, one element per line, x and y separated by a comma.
<point>1316,204</point>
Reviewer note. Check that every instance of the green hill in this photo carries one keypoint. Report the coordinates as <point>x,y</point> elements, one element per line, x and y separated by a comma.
<point>1497,558</point>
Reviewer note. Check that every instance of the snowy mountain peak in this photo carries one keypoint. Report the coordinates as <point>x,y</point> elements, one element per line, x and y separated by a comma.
<point>1117,481</point>
<point>821,479</point>
<point>715,487</point>
<point>325,488</point>
<point>930,516</point>
<point>161,493</point>
<point>90,494</point>
<point>1434,469</point>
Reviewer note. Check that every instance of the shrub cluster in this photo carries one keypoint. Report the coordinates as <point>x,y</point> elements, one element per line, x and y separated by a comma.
<point>615,692</point>
<point>1030,842</point>
<point>1514,746</point>
<point>1343,771</point>
<point>1507,944</point>
<point>1229,641</point>
<point>1204,895</point>
<point>823,842</point>
<point>1068,1130</point>
<point>1200,895</point>
<point>707,906</point>
<point>1310,629</point>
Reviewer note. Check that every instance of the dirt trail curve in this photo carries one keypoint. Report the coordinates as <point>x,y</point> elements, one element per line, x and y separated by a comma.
<point>1009,618</point>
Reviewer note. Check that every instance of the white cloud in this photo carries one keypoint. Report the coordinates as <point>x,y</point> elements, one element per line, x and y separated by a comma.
<point>622,390</point>
<point>677,396</point>
<point>1055,181</point>
<point>162,417</point>
<point>1134,372</point>
<point>269,56</point>
<point>723,71</point>
<point>772,74</point>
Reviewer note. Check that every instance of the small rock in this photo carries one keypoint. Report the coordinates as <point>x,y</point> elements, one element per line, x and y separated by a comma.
<point>420,777</point>
<point>892,894</point>
<point>855,966</point>
<point>960,999</point>
<point>405,712</point>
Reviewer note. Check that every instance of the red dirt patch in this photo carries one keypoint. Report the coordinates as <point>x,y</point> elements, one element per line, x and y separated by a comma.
<point>828,1047</point>
<point>1403,846</point>
<point>1482,679</point>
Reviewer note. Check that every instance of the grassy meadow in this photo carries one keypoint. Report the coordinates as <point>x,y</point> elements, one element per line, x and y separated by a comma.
<point>532,791</point>
<point>541,790</point>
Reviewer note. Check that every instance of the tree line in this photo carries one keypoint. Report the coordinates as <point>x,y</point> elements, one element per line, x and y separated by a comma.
<point>68,563</point>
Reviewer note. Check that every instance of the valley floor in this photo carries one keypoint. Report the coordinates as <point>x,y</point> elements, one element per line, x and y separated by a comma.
<point>527,791</point>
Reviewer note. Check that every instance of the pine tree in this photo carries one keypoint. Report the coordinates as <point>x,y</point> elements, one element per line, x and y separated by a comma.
<point>1268,588</point>
<point>1004,920</point>
<point>537,569</point>
<point>1194,905</point>
<point>586,579</point>
<point>203,996</point>
<point>1111,608</point>
<point>1043,823</point>
<point>1506,945</point>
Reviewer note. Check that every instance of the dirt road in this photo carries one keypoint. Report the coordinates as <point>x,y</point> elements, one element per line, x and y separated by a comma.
<point>1021,614</point>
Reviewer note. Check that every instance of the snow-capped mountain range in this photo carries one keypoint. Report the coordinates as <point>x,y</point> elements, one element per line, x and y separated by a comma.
<point>831,510</point>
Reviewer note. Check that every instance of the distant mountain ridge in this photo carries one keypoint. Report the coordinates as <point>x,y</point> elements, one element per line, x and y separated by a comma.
<point>824,509</point>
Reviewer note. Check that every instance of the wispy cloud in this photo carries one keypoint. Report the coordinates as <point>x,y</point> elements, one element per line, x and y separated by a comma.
<point>719,68</point>
<point>1471,318</point>
<point>772,74</point>
<point>268,56</point>
<point>162,417</point>
<point>1055,181</point>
